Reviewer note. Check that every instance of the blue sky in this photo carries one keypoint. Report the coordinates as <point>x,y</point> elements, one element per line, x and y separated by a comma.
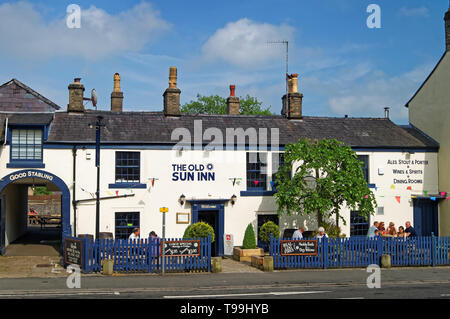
<point>344,67</point>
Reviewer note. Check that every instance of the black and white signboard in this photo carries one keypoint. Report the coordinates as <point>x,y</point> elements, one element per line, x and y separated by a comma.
<point>299,247</point>
<point>73,251</point>
<point>182,248</point>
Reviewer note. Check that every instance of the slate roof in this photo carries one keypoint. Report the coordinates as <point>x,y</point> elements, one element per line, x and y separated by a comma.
<point>156,128</point>
<point>28,100</point>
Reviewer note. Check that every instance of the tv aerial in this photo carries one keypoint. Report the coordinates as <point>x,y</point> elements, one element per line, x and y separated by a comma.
<point>93,98</point>
<point>286,43</point>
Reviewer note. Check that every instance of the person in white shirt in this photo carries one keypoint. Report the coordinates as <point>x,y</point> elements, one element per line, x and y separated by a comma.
<point>135,234</point>
<point>298,234</point>
<point>321,233</point>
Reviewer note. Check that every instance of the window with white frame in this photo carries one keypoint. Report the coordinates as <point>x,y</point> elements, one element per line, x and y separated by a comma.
<point>26,144</point>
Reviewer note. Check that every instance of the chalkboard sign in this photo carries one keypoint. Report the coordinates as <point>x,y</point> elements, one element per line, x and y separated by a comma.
<point>73,251</point>
<point>182,248</point>
<point>299,247</point>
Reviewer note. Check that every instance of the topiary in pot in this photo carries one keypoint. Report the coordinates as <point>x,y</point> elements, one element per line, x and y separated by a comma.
<point>199,230</point>
<point>249,238</point>
<point>267,229</point>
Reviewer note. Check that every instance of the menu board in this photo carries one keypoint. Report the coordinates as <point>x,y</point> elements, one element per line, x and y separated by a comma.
<point>182,248</point>
<point>73,251</point>
<point>299,247</point>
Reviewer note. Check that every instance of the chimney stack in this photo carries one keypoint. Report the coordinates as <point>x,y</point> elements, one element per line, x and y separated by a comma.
<point>116,95</point>
<point>76,91</point>
<point>447,30</point>
<point>386,112</point>
<point>292,101</point>
<point>172,95</point>
<point>232,102</point>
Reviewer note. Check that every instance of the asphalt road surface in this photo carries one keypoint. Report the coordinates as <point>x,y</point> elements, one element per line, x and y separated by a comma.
<point>396,283</point>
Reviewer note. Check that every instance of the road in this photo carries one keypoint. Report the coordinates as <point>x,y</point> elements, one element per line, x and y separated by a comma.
<point>396,283</point>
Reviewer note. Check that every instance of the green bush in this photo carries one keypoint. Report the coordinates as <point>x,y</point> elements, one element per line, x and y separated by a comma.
<point>249,238</point>
<point>267,229</point>
<point>199,230</point>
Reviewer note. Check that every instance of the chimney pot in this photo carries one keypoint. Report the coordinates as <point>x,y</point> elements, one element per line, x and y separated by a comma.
<point>172,95</point>
<point>232,102</point>
<point>116,95</point>
<point>292,101</point>
<point>232,89</point>
<point>386,112</point>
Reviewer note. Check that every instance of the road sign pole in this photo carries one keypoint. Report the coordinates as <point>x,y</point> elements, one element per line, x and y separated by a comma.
<point>163,210</point>
<point>163,242</point>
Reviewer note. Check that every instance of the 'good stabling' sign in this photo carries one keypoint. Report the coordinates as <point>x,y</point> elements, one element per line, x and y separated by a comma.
<point>299,247</point>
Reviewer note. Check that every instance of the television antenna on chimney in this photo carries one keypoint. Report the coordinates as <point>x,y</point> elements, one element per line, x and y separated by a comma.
<point>286,43</point>
<point>93,98</point>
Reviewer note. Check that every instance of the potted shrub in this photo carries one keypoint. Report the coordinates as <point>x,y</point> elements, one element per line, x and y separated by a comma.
<point>269,228</point>
<point>199,230</point>
<point>248,248</point>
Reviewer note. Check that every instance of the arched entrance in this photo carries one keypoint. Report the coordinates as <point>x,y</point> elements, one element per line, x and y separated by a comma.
<point>35,176</point>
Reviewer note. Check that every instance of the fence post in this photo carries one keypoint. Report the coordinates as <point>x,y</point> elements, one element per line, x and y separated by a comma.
<point>86,255</point>
<point>433,250</point>
<point>379,250</point>
<point>324,245</point>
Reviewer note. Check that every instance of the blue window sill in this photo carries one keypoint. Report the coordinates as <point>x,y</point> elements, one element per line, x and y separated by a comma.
<point>127,185</point>
<point>25,164</point>
<point>371,185</point>
<point>257,193</point>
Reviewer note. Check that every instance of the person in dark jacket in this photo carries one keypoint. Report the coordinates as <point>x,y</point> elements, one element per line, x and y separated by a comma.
<point>409,230</point>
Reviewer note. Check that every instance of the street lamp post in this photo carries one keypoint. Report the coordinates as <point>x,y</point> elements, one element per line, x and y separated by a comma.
<point>98,126</point>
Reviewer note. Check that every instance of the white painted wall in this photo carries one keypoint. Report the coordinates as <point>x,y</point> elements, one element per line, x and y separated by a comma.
<point>227,165</point>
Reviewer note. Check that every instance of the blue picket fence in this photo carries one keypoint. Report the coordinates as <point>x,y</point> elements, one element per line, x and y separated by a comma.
<point>142,255</point>
<point>363,251</point>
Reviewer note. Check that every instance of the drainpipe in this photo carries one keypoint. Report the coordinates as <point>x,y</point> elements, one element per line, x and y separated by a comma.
<point>74,203</point>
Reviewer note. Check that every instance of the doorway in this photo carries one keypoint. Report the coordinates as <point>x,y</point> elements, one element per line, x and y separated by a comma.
<point>262,219</point>
<point>426,217</point>
<point>213,213</point>
<point>33,226</point>
<point>210,217</point>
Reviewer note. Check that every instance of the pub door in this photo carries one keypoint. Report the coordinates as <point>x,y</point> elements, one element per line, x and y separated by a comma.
<point>210,217</point>
<point>426,217</point>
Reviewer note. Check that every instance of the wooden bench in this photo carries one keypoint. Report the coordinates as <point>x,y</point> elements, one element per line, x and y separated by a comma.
<point>49,220</point>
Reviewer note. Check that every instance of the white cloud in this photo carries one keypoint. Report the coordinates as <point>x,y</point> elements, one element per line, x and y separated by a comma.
<point>414,12</point>
<point>374,90</point>
<point>244,43</point>
<point>101,34</point>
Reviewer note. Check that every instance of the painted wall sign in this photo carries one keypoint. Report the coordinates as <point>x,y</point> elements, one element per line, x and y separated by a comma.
<point>182,248</point>
<point>73,251</point>
<point>35,174</point>
<point>299,247</point>
<point>193,172</point>
<point>407,171</point>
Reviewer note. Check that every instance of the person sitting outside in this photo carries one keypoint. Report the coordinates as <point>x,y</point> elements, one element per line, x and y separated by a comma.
<point>391,230</point>
<point>135,234</point>
<point>321,233</point>
<point>381,227</point>
<point>298,234</point>
<point>401,232</point>
<point>409,230</point>
<point>372,229</point>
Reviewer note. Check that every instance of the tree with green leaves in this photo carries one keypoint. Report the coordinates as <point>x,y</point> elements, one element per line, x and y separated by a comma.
<point>216,104</point>
<point>319,177</point>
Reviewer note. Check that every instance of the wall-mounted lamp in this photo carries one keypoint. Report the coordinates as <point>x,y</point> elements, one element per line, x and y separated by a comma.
<point>233,199</point>
<point>182,198</point>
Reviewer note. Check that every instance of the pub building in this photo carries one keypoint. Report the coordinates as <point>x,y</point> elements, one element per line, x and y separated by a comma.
<point>198,166</point>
